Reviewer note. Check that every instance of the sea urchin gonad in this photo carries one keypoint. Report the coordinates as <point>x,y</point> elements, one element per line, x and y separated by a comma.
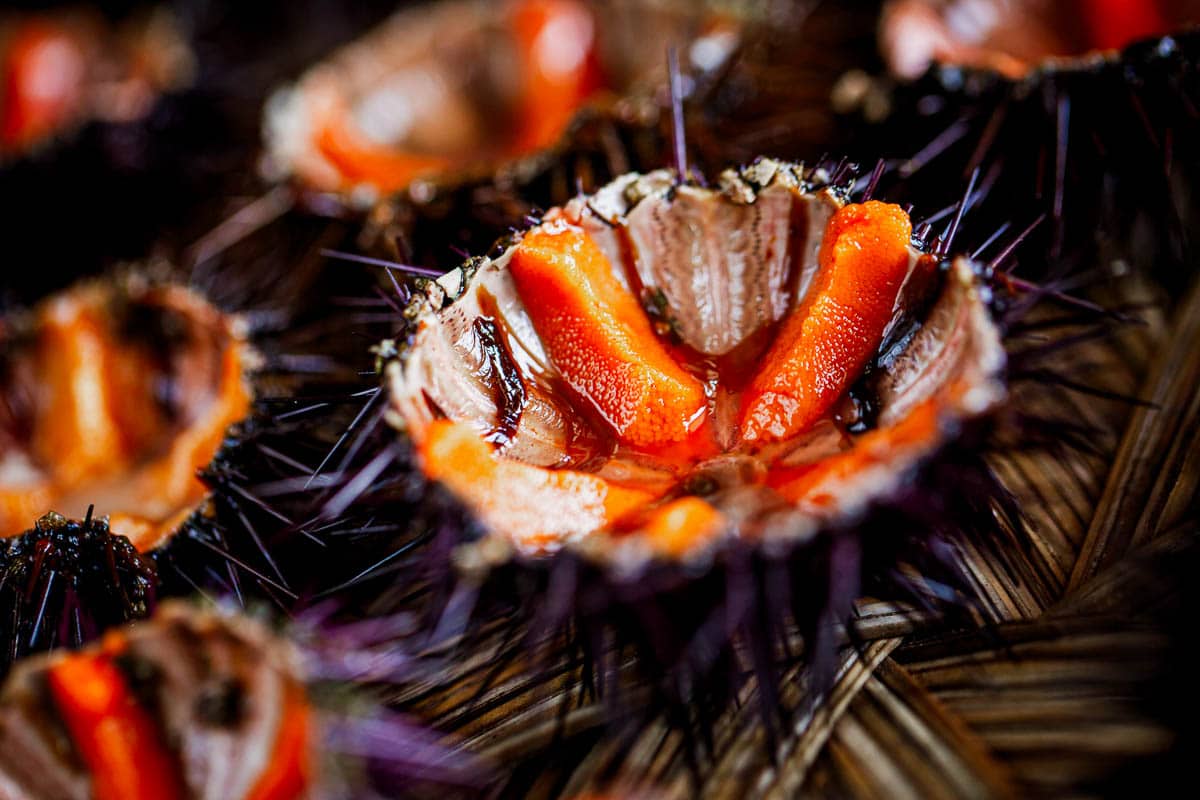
<point>114,394</point>
<point>661,366</point>
<point>447,86</point>
<point>188,705</point>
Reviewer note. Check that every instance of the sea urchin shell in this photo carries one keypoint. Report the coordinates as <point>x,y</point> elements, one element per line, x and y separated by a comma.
<point>60,70</point>
<point>448,86</point>
<point>1016,37</point>
<point>113,394</point>
<point>195,703</point>
<point>660,366</point>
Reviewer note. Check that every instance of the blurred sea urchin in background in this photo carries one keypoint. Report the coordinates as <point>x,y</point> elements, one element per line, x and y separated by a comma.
<point>566,398</point>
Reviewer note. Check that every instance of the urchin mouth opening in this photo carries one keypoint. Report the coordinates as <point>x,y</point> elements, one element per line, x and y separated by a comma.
<point>659,367</point>
<point>400,104</point>
<point>114,394</point>
<point>1016,39</point>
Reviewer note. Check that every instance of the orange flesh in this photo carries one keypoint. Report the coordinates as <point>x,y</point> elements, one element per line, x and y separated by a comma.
<point>825,343</point>
<point>359,161</point>
<point>918,429</point>
<point>682,525</point>
<point>289,770</point>
<point>42,88</point>
<point>98,436</point>
<point>535,506</point>
<point>119,743</point>
<point>555,41</point>
<point>601,340</point>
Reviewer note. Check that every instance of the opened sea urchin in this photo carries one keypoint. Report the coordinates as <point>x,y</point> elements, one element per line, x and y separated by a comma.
<point>447,87</point>
<point>114,394</point>
<point>659,367</point>
<point>195,703</point>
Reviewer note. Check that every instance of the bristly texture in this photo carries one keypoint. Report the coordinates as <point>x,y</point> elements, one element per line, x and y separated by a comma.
<point>1103,147</point>
<point>65,582</point>
<point>699,636</point>
<point>311,319</point>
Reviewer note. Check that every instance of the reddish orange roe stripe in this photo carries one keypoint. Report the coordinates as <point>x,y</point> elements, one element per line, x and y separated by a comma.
<point>289,772</point>
<point>881,446</point>
<point>556,41</point>
<point>42,90</point>
<point>360,161</point>
<point>825,343</point>
<point>119,743</point>
<point>534,506</point>
<point>601,340</point>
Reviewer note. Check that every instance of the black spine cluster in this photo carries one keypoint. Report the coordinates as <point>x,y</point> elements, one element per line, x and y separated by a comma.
<point>65,582</point>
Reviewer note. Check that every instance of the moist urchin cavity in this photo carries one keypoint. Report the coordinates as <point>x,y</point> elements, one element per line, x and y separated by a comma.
<point>663,357</point>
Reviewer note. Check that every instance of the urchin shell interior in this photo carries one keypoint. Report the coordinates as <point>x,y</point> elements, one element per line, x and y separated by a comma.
<point>450,85</point>
<point>717,270</point>
<point>114,394</point>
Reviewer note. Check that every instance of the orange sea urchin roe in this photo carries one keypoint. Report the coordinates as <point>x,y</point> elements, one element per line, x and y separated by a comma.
<point>116,739</point>
<point>766,443</point>
<point>681,526</point>
<point>556,68</point>
<point>825,343</point>
<point>555,39</point>
<point>288,773</point>
<point>535,506</point>
<point>42,71</point>
<point>600,338</point>
<point>813,484</point>
<point>359,160</point>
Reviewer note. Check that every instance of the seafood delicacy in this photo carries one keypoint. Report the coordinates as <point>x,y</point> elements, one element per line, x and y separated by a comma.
<point>190,704</point>
<point>114,394</point>
<point>1050,99</point>
<point>661,366</point>
<point>60,70</point>
<point>199,703</point>
<point>1015,37</point>
<point>453,85</point>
